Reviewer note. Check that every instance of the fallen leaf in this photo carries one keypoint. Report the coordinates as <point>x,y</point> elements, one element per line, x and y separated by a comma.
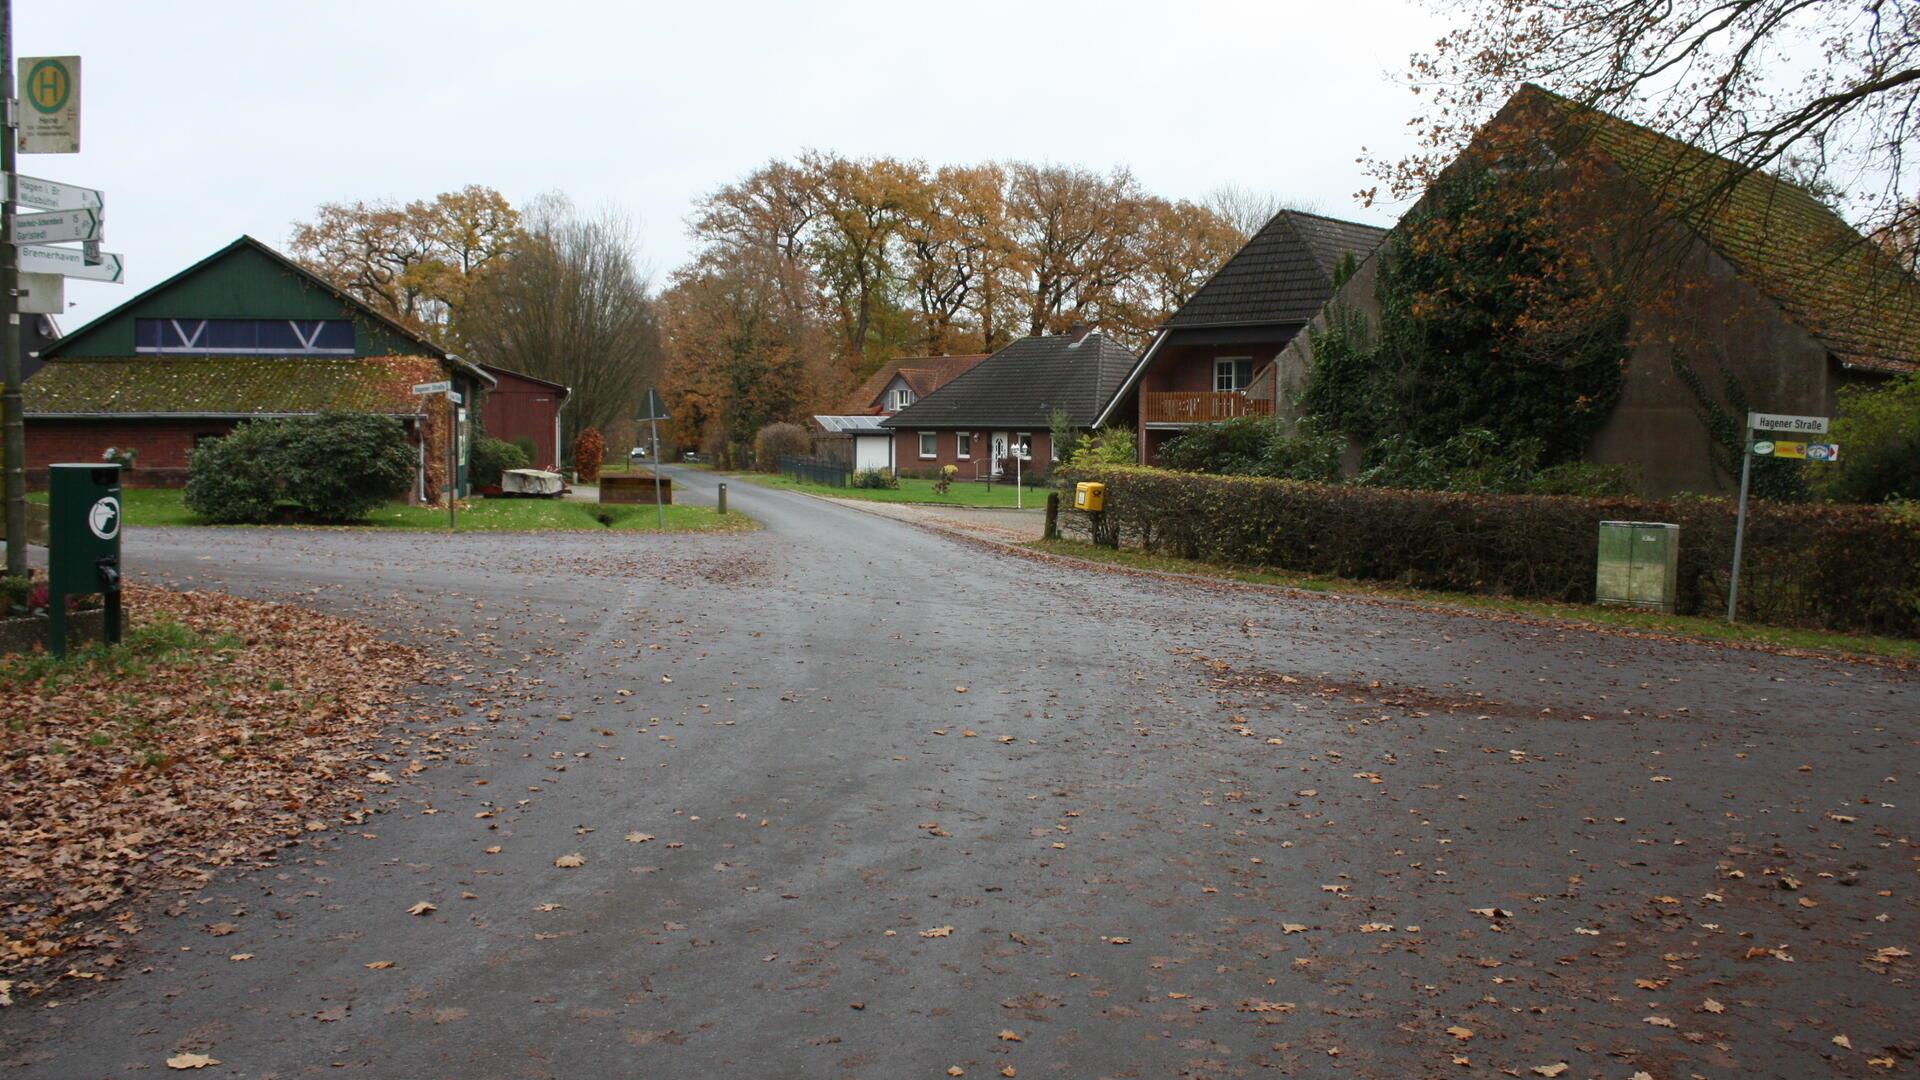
<point>191,1061</point>
<point>955,1070</point>
<point>1260,1005</point>
<point>1843,1042</point>
<point>638,837</point>
<point>239,956</point>
<point>1118,940</point>
<point>1551,1070</point>
<point>379,776</point>
<point>570,862</point>
<point>1712,1006</point>
<point>1461,1033</point>
<point>379,965</point>
<point>1293,928</point>
<point>1657,1021</point>
<point>938,931</point>
<point>1009,1035</point>
<point>421,908</point>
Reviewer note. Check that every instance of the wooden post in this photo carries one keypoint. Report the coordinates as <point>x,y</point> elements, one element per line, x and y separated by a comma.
<point>1053,517</point>
<point>723,498</point>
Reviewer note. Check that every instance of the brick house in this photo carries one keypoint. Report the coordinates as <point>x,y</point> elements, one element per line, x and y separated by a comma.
<point>854,435</point>
<point>1004,406</point>
<point>1762,287</point>
<point>245,333</point>
<point>1209,357</point>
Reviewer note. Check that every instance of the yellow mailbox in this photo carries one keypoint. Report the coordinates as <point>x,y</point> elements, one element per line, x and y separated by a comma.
<point>1090,497</point>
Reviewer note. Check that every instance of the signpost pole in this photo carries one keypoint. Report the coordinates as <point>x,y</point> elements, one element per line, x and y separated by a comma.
<point>659,505</point>
<point>11,402</point>
<point>1740,522</point>
<point>452,476</point>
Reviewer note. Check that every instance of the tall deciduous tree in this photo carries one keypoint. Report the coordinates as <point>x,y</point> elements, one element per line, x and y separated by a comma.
<point>1826,89</point>
<point>569,302</point>
<point>416,262</point>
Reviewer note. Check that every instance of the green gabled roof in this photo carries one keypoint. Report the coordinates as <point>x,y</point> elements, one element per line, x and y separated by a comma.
<point>1832,282</point>
<point>194,386</point>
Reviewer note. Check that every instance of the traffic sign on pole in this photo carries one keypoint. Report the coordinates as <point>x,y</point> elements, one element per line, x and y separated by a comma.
<point>47,195</point>
<point>69,262</point>
<point>49,105</point>
<point>56,227</point>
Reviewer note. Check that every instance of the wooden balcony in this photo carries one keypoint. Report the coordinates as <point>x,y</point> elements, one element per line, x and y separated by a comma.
<point>1200,408</point>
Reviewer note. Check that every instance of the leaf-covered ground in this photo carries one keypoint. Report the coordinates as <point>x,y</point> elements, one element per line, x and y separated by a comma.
<point>223,727</point>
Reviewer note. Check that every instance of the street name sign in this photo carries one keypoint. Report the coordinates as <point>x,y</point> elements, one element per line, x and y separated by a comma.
<point>442,387</point>
<point>49,88</point>
<point>59,226</point>
<point>455,397</point>
<point>1800,425</point>
<point>48,195</point>
<point>70,262</point>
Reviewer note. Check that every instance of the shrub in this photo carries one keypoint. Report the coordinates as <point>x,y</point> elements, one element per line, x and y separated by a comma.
<point>1853,568</point>
<point>1108,446</point>
<point>491,457</point>
<point>525,445</point>
<point>589,453</point>
<point>944,482</point>
<point>776,441</point>
<point>1255,446</point>
<point>873,480</point>
<point>332,468</point>
<point>1878,429</point>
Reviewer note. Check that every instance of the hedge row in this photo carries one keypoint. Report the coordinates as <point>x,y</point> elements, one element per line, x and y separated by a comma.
<point>1853,568</point>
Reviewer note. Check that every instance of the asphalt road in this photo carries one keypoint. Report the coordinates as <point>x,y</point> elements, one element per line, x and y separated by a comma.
<point>1176,830</point>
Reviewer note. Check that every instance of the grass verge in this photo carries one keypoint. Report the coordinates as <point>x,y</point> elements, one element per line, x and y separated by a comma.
<point>164,642</point>
<point>1593,615</point>
<point>165,506</point>
<point>960,493</point>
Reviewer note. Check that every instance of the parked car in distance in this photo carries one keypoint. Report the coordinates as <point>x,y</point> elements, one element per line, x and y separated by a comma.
<point>638,453</point>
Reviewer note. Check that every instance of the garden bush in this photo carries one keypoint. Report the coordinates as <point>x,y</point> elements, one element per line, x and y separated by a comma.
<point>332,468</point>
<point>589,453</point>
<point>491,457</point>
<point>525,445</point>
<point>776,441</point>
<point>1854,568</point>
<point>1878,428</point>
<point>873,480</point>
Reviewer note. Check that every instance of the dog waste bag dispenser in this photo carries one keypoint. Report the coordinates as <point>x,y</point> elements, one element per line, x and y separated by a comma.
<point>83,544</point>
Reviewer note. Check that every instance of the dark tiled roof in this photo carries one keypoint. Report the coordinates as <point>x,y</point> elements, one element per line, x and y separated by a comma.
<point>1021,385</point>
<point>924,374</point>
<point>1830,280</point>
<point>1282,275</point>
<point>229,386</point>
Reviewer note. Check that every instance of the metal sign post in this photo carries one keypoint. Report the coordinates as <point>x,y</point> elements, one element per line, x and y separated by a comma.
<point>653,412</point>
<point>1809,425</point>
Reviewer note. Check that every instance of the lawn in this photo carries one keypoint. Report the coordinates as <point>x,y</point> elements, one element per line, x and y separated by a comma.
<point>163,506</point>
<point>1619,618</point>
<point>961,493</point>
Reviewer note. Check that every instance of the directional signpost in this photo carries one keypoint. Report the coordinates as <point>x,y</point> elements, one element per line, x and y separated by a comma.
<point>1776,448</point>
<point>654,411</point>
<point>445,386</point>
<point>44,118</point>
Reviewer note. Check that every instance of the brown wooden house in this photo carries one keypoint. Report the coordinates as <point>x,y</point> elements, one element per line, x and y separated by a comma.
<point>521,406</point>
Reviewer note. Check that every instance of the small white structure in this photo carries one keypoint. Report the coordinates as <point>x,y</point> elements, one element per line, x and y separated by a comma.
<point>872,444</point>
<point>531,482</point>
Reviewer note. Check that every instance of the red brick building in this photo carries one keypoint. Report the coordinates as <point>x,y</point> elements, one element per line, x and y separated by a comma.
<point>1003,408</point>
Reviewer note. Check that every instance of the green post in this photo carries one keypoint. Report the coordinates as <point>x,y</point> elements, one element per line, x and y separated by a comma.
<point>83,544</point>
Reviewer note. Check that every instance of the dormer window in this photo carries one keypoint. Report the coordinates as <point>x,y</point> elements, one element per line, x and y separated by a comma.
<point>244,337</point>
<point>899,398</point>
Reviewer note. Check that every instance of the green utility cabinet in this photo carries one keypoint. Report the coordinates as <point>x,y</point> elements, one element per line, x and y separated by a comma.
<point>83,545</point>
<point>1639,564</point>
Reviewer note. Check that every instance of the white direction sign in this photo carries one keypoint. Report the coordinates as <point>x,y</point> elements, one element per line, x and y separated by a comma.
<point>57,227</point>
<point>454,396</point>
<point>442,387</point>
<point>47,195</point>
<point>1805,425</point>
<point>71,262</point>
<point>49,89</point>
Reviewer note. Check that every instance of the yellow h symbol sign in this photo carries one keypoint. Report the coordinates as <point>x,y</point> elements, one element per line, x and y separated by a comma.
<point>49,85</point>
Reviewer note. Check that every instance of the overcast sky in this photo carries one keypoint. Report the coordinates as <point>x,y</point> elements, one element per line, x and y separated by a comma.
<point>205,120</point>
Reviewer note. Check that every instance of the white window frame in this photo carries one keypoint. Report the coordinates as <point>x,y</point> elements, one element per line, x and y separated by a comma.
<point>1232,361</point>
<point>899,398</point>
<point>925,454</point>
<point>963,445</point>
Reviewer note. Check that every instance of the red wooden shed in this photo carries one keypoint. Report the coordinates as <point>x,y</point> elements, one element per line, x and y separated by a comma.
<point>522,406</point>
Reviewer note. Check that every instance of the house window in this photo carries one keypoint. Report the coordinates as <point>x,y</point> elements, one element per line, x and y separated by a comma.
<point>244,337</point>
<point>1023,445</point>
<point>929,444</point>
<point>1231,374</point>
<point>899,398</point>
<point>963,443</point>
